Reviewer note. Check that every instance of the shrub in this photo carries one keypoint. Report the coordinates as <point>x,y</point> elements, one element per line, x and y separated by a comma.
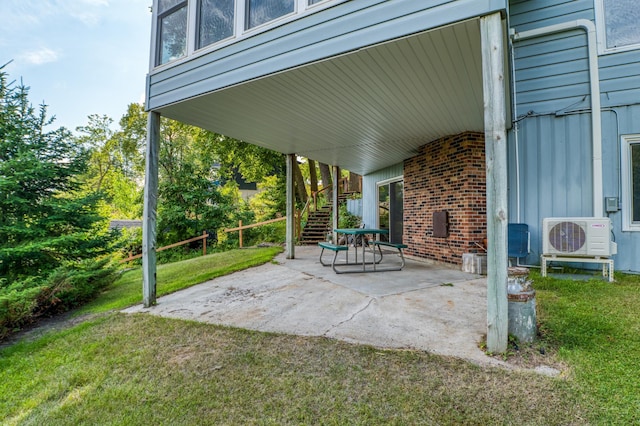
<point>346,219</point>
<point>66,287</point>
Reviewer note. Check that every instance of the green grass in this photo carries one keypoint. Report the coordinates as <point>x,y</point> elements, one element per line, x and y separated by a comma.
<point>127,290</point>
<point>140,369</point>
<point>596,326</point>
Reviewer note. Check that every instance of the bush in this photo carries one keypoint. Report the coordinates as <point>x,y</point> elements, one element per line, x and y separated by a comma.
<point>68,286</point>
<point>346,219</point>
<point>17,303</point>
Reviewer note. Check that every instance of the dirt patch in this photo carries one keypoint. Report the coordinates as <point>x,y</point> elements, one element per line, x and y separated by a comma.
<point>539,356</point>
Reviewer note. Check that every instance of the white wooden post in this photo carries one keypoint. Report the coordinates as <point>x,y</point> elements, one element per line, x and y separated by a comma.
<point>336,178</point>
<point>149,214</point>
<point>291,208</point>
<point>493,63</point>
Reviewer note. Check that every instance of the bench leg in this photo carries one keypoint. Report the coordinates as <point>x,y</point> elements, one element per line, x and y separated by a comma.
<point>333,264</point>
<point>321,262</point>
<point>327,264</point>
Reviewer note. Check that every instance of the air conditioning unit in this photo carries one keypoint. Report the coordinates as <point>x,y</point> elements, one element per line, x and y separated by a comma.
<point>577,236</point>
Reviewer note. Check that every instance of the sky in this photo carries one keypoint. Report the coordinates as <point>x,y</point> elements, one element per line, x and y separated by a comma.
<point>79,57</point>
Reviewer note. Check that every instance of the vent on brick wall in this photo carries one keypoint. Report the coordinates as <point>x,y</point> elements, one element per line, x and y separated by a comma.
<point>441,224</point>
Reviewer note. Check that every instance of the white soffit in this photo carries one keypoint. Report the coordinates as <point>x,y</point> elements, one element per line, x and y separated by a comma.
<point>362,111</point>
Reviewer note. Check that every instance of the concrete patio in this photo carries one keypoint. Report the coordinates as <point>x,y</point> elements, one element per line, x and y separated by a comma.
<point>428,307</point>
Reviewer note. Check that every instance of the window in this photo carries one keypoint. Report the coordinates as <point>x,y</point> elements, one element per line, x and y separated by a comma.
<point>312,2</point>
<point>262,11</point>
<point>618,27</point>
<point>215,21</point>
<point>631,182</point>
<point>172,30</point>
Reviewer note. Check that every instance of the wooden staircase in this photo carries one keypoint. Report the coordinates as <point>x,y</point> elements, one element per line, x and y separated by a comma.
<point>318,224</point>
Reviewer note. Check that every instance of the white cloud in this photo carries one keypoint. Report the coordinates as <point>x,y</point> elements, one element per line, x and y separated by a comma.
<point>40,56</point>
<point>87,11</point>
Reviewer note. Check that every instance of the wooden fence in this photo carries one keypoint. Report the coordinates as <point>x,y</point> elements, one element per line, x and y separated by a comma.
<point>239,228</point>
<point>202,237</point>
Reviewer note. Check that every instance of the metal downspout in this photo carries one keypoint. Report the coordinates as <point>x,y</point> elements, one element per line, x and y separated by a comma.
<point>594,77</point>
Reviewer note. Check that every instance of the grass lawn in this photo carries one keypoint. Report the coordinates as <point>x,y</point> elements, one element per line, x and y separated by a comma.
<point>596,327</point>
<point>140,369</point>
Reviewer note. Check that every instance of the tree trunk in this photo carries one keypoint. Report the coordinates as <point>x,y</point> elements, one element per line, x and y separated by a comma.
<point>301,190</point>
<point>354,182</point>
<point>325,173</point>
<point>313,175</point>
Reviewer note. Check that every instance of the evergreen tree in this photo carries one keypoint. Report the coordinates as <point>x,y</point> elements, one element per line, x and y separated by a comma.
<point>43,221</point>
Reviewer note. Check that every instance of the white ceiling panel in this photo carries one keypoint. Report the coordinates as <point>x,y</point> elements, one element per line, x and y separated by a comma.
<point>362,111</point>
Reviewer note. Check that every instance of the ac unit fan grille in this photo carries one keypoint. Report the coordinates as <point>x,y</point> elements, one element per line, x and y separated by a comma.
<point>567,237</point>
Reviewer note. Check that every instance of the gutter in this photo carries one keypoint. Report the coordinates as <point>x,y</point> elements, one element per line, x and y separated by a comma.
<point>594,77</point>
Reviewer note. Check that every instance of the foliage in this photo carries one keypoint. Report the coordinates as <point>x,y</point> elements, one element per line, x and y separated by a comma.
<point>189,198</point>
<point>253,162</point>
<point>115,164</point>
<point>50,229</point>
<point>66,287</point>
<point>346,219</point>
<point>196,176</point>
<point>44,220</point>
<point>271,198</point>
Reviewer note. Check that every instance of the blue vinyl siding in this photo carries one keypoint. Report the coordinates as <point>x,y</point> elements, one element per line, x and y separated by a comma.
<point>529,14</point>
<point>616,122</point>
<point>551,72</point>
<point>555,171</point>
<point>554,130</point>
<point>345,27</point>
<point>370,191</point>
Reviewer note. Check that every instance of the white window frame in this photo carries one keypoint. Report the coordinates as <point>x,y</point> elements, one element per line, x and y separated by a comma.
<point>195,19</point>
<point>302,8</point>
<point>157,40</point>
<point>383,183</point>
<point>627,196</point>
<point>601,32</point>
<point>274,22</point>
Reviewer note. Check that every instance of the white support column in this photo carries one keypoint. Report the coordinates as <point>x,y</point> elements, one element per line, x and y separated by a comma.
<point>291,209</point>
<point>493,75</point>
<point>336,177</point>
<point>149,214</point>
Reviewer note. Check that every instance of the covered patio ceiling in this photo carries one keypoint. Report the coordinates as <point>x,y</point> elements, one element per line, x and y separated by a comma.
<point>362,111</point>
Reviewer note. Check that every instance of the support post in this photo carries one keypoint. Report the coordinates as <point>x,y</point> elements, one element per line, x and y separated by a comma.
<point>334,195</point>
<point>204,243</point>
<point>240,233</point>
<point>493,64</point>
<point>291,204</point>
<point>150,208</point>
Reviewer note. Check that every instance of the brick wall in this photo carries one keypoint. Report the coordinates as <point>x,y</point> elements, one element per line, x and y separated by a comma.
<point>448,174</point>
